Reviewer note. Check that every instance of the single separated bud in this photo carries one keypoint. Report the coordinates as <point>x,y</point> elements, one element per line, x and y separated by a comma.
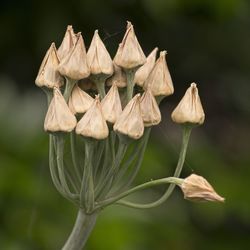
<point>189,109</point>
<point>59,117</point>
<point>79,101</point>
<point>130,121</point>
<point>196,188</point>
<point>93,123</point>
<point>118,78</point>
<point>99,60</point>
<point>159,80</point>
<point>142,73</point>
<point>68,43</point>
<point>150,112</point>
<point>48,76</point>
<point>111,105</point>
<point>74,65</point>
<point>129,54</point>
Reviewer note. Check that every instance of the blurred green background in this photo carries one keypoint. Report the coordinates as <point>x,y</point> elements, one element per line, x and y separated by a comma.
<point>207,42</point>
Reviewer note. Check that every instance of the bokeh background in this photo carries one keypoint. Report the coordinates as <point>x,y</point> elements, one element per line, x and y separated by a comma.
<point>207,42</point>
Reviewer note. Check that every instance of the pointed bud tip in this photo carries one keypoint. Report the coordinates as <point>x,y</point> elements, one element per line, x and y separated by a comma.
<point>96,32</point>
<point>163,53</point>
<point>193,85</point>
<point>129,25</point>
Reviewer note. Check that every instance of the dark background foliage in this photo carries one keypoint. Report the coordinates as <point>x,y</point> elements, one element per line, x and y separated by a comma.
<point>207,42</point>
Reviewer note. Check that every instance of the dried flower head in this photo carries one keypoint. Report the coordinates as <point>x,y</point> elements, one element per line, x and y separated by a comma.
<point>93,123</point>
<point>142,73</point>
<point>118,78</point>
<point>196,188</point>
<point>59,117</point>
<point>159,80</point>
<point>129,54</point>
<point>189,109</point>
<point>48,76</point>
<point>130,121</point>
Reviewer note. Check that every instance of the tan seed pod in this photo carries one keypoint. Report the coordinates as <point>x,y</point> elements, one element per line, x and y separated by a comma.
<point>118,78</point>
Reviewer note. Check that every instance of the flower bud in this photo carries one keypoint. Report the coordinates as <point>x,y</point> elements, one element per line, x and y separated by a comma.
<point>68,43</point>
<point>59,117</point>
<point>93,123</point>
<point>111,105</point>
<point>48,76</point>
<point>196,188</point>
<point>79,101</point>
<point>99,60</point>
<point>129,54</point>
<point>74,65</point>
<point>130,121</point>
<point>150,112</point>
<point>142,73</point>
<point>159,80</point>
<point>189,109</point>
<point>118,78</point>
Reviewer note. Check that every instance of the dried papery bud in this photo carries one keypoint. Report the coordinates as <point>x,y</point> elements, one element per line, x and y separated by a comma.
<point>74,65</point>
<point>143,72</point>
<point>87,84</point>
<point>93,123</point>
<point>189,109</point>
<point>111,105</point>
<point>79,101</point>
<point>130,121</point>
<point>48,76</point>
<point>150,112</point>
<point>118,78</point>
<point>99,60</point>
<point>59,118</point>
<point>129,54</point>
<point>196,188</point>
<point>159,80</point>
<point>68,43</point>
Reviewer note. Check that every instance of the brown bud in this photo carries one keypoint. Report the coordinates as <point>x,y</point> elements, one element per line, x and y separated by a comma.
<point>74,65</point>
<point>93,123</point>
<point>118,78</point>
<point>130,121</point>
<point>111,105</point>
<point>143,72</point>
<point>68,43</point>
<point>59,117</point>
<point>48,76</point>
<point>86,84</point>
<point>159,80</point>
<point>189,109</point>
<point>129,54</point>
<point>196,188</point>
<point>150,112</point>
<point>79,101</point>
<point>99,60</point>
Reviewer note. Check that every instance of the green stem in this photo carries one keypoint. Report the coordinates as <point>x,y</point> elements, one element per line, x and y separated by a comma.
<point>130,83</point>
<point>70,83</point>
<point>99,81</point>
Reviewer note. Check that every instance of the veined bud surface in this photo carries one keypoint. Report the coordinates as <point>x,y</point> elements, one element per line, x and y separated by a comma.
<point>59,118</point>
<point>129,54</point>
<point>74,65</point>
<point>48,75</point>
<point>143,72</point>
<point>130,121</point>
<point>150,112</point>
<point>93,123</point>
<point>118,78</point>
<point>196,188</point>
<point>189,109</point>
<point>159,79</point>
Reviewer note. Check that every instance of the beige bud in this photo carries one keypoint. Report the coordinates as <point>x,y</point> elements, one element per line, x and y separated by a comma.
<point>150,112</point>
<point>68,43</point>
<point>196,188</point>
<point>118,78</point>
<point>93,123</point>
<point>189,109</point>
<point>99,60</point>
<point>111,105</point>
<point>48,76</point>
<point>129,54</point>
<point>79,101</point>
<point>130,121</point>
<point>59,117</point>
<point>143,72</point>
<point>74,65</point>
<point>159,80</point>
